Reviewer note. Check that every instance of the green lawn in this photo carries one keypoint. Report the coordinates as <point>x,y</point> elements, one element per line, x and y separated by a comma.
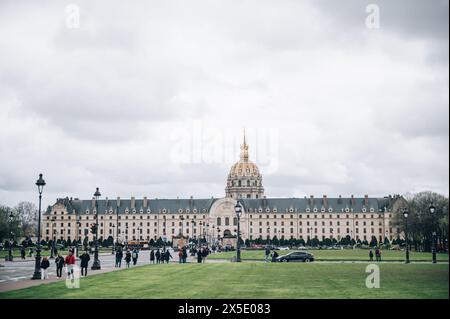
<point>253,280</point>
<point>345,254</point>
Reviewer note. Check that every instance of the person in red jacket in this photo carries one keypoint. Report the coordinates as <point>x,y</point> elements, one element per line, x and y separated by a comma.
<point>70,262</point>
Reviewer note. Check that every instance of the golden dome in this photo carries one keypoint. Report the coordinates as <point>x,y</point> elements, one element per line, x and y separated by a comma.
<point>244,168</point>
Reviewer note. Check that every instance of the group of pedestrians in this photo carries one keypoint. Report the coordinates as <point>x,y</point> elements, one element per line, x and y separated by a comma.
<point>270,255</point>
<point>69,262</point>
<point>377,254</point>
<point>130,255</point>
<point>159,257</point>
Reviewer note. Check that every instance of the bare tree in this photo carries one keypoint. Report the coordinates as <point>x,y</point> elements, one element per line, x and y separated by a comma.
<point>27,213</point>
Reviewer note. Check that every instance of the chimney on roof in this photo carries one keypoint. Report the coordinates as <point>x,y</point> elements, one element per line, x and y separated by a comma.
<point>133,202</point>
<point>340,199</point>
<point>352,200</point>
<point>325,200</point>
<point>311,200</point>
<point>366,200</point>
<point>145,202</point>
<point>118,201</point>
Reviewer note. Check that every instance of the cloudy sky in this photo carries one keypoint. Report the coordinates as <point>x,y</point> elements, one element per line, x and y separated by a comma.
<point>151,99</point>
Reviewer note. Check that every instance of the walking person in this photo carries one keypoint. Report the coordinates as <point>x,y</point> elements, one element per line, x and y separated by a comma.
<point>135,256</point>
<point>378,254</point>
<point>44,267</point>
<point>184,254</point>
<point>167,256</point>
<point>128,258</point>
<point>119,255</point>
<point>158,256</point>
<point>59,261</point>
<point>30,252</point>
<point>371,255</point>
<point>204,254</point>
<point>70,262</point>
<point>199,256</point>
<point>22,252</point>
<point>267,253</point>
<point>180,256</point>
<point>84,263</point>
<point>152,257</point>
<point>274,256</point>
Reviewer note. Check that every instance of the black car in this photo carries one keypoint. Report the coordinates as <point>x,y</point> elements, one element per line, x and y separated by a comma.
<point>296,256</point>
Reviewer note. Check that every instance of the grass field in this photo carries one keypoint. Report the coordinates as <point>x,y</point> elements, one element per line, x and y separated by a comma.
<point>253,280</point>
<point>345,254</point>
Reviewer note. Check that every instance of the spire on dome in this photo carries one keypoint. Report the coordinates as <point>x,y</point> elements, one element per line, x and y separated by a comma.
<point>244,150</point>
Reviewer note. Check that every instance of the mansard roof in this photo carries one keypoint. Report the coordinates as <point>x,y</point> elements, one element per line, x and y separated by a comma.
<point>282,205</point>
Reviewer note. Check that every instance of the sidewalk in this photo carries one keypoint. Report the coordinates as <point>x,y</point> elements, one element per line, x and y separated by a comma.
<point>20,284</point>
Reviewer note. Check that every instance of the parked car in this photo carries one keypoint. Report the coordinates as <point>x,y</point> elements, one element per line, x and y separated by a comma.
<point>301,247</point>
<point>296,256</point>
<point>283,248</point>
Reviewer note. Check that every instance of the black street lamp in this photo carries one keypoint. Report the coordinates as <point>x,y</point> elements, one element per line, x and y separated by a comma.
<point>40,183</point>
<point>405,214</point>
<point>113,245</point>
<point>268,235</point>
<point>52,250</point>
<point>11,238</point>
<point>182,220</point>
<point>238,211</point>
<point>78,236</point>
<point>96,264</point>
<point>432,211</point>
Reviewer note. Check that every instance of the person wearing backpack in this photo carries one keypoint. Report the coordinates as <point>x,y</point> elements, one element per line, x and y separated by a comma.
<point>371,255</point>
<point>152,257</point>
<point>135,256</point>
<point>128,258</point>
<point>84,263</point>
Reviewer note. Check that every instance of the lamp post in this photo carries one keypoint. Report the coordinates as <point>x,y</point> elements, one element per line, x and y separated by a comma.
<point>213,238</point>
<point>268,235</point>
<point>96,264</point>
<point>238,211</point>
<point>193,227</point>
<point>113,245</point>
<point>11,238</point>
<point>40,183</point>
<point>405,215</point>
<point>432,211</point>
<point>78,236</point>
<point>52,249</point>
<point>117,222</point>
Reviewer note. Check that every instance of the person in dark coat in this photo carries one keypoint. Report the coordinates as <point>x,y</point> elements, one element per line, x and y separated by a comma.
<point>274,256</point>
<point>44,268</point>
<point>180,256</point>
<point>152,257</point>
<point>204,254</point>
<point>59,261</point>
<point>135,256</point>
<point>119,256</point>
<point>184,255</point>
<point>378,254</point>
<point>167,256</point>
<point>158,256</point>
<point>371,255</point>
<point>22,252</point>
<point>199,256</point>
<point>84,263</point>
<point>128,258</point>
<point>30,252</point>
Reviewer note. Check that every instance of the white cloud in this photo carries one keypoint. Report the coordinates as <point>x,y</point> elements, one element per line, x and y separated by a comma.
<point>330,107</point>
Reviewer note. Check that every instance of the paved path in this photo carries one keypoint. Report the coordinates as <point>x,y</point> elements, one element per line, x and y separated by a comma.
<point>17,274</point>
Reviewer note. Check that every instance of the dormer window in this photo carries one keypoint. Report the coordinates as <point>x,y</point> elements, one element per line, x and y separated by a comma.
<point>371,209</point>
<point>364,210</point>
<point>323,210</point>
<point>308,210</point>
<point>315,210</point>
<point>194,210</point>
<point>87,211</point>
<point>180,211</point>
<point>330,210</point>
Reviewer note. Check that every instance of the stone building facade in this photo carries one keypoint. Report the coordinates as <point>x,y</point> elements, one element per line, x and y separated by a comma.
<point>214,218</point>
